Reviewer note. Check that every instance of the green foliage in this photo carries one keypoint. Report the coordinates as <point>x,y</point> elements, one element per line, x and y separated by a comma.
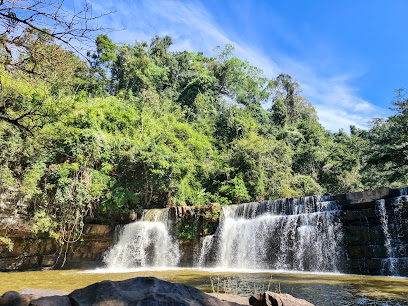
<point>143,127</point>
<point>204,221</point>
<point>187,230</point>
<point>45,224</point>
<point>387,152</point>
<point>8,242</point>
<point>6,178</point>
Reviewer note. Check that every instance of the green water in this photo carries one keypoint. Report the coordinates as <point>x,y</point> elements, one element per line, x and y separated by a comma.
<point>320,289</point>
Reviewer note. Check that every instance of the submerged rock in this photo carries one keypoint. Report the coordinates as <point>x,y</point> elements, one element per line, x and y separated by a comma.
<point>143,291</point>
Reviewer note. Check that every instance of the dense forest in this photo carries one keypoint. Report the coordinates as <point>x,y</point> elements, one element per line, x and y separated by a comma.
<point>136,126</point>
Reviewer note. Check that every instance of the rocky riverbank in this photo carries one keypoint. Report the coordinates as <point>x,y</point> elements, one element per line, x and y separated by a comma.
<point>141,291</point>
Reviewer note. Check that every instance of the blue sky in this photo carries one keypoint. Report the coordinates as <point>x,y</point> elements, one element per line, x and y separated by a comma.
<point>348,56</point>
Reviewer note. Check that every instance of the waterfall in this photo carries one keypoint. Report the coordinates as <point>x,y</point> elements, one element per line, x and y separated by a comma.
<point>291,234</point>
<point>206,250</point>
<point>390,260</point>
<point>363,232</point>
<point>145,243</point>
<point>392,227</point>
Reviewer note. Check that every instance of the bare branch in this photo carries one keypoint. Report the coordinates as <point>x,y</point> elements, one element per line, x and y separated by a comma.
<point>74,29</point>
<point>32,34</point>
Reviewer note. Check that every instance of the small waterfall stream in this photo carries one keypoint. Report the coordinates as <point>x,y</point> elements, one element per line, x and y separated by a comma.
<point>145,243</point>
<point>205,252</point>
<point>392,227</point>
<point>389,263</point>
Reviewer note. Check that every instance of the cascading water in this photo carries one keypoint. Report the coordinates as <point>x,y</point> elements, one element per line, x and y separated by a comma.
<point>296,234</point>
<point>205,252</point>
<point>361,232</point>
<point>391,225</point>
<point>145,243</point>
<point>388,263</point>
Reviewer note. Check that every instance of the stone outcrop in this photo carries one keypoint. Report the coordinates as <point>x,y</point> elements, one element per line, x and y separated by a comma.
<point>191,223</point>
<point>135,291</point>
<point>143,291</point>
<point>277,299</point>
<point>35,297</point>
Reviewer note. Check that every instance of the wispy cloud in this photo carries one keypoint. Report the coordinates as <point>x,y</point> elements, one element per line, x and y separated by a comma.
<point>193,28</point>
<point>337,103</point>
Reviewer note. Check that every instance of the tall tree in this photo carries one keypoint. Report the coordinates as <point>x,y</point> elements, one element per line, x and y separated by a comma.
<point>388,144</point>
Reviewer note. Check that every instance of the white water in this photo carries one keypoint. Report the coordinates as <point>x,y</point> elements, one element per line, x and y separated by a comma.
<point>145,243</point>
<point>282,234</point>
<point>390,261</point>
<point>391,227</point>
<point>205,250</point>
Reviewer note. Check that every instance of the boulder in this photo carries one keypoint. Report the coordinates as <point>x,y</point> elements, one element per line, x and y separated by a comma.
<point>143,291</point>
<point>35,297</point>
<point>277,299</point>
<point>13,298</point>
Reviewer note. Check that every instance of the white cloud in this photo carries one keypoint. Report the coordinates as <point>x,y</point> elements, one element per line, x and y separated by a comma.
<point>194,29</point>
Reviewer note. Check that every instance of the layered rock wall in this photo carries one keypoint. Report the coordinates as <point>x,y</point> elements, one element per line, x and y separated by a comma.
<point>374,235</point>
<point>375,226</point>
<point>374,232</point>
<point>32,251</point>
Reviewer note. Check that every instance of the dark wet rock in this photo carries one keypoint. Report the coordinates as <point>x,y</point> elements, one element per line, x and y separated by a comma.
<point>277,299</point>
<point>143,291</point>
<point>253,299</point>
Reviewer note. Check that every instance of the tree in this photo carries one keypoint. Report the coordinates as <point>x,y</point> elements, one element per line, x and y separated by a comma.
<point>240,81</point>
<point>388,144</point>
<point>47,17</point>
<point>32,33</point>
<point>26,95</point>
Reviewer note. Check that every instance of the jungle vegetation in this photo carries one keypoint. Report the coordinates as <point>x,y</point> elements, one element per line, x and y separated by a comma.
<point>136,126</point>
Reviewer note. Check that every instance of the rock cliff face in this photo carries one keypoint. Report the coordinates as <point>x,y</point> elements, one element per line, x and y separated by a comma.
<point>33,251</point>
